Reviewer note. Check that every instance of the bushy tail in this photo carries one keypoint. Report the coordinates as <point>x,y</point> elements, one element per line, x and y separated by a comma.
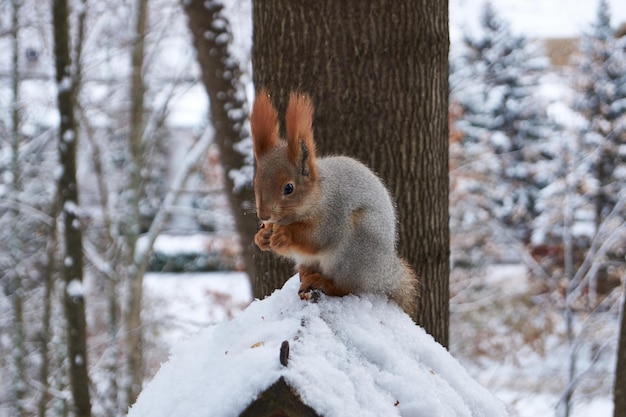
<point>408,291</point>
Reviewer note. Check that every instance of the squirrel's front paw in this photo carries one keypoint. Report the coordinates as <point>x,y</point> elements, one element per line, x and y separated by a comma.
<point>280,238</point>
<point>262,237</point>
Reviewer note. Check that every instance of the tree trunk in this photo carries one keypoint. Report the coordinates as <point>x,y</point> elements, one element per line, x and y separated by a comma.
<point>619,389</point>
<point>18,352</point>
<point>111,250</point>
<point>45,332</point>
<point>132,318</point>
<point>73,299</point>
<point>378,75</point>
<point>221,77</point>
<point>15,288</point>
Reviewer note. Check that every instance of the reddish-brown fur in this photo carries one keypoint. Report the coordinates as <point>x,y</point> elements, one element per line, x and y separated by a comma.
<point>295,237</point>
<point>285,239</point>
<point>299,127</point>
<point>310,279</point>
<point>263,124</point>
<point>295,222</point>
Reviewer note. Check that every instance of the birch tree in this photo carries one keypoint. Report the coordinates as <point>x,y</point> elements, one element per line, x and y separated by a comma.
<point>14,287</point>
<point>135,273</point>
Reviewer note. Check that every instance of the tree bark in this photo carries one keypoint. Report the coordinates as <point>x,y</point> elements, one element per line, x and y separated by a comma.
<point>134,296</point>
<point>73,299</point>
<point>221,78</point>
<point>45,332</point>
<point>619,389</point>
<point>15,285</point>
<point>378,75</point>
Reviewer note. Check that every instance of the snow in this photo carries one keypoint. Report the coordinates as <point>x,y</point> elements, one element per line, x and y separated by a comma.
<point>70,207</point>
<point>74,288</point>
<point>379,363</point>
<point>68,136</point>
<point>535,18</point>
<point>189,108</point>
<point>529,376</point>
<point>65,84</point>
<point>239,14</point>
<point>185,303</point>
<point>241,177</point>
<point>512,278</point>
<point>181,244</point>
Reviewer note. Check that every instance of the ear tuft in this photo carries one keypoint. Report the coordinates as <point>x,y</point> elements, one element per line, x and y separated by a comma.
<point>299,129</point>
<point>263,124</point>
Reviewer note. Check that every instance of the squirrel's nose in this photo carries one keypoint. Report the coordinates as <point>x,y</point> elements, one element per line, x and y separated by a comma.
<point>263,215</point>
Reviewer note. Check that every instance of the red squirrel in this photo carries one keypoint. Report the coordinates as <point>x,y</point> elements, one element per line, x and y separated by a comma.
<point>333,216</point>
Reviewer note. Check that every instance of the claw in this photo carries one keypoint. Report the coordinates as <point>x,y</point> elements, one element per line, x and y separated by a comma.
<point>310,294</point>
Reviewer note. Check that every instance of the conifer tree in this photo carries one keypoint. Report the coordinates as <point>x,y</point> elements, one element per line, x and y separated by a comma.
<point>501,122</point>
<point>602,101</point>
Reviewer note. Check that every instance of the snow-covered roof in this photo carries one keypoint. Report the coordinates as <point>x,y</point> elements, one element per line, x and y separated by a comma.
<point>350,356</point>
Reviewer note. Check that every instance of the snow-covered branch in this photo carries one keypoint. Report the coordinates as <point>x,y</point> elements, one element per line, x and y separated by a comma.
<point>193,156</point>
<point>603,241</point>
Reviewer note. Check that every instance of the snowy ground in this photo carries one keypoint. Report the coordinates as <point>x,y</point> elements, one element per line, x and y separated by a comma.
<point>511,336</point>
<point>183,304</point>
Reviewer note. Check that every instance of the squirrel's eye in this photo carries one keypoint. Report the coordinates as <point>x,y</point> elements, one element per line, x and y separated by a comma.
<point>288,189</point>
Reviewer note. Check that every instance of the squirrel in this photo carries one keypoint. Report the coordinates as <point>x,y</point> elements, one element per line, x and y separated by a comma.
<point>331,215</point>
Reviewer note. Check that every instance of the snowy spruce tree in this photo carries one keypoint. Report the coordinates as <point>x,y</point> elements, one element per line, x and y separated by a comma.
<point>601,85</point>
<point>494,81</point>
<point>580,210</point>
<point>601,100</point>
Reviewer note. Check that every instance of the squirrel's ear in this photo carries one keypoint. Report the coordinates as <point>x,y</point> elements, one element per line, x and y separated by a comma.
<point>299,129</point>
<point>263,124</point>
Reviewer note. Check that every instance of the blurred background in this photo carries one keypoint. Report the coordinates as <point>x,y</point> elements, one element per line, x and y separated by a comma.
<point>537,202</point>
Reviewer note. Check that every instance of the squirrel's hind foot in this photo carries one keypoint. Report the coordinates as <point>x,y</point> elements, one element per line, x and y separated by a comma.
<point>311,280</point>
<point>311,294</point>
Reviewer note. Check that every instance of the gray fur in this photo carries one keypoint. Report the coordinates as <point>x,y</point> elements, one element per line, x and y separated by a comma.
<point>352,253</point>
